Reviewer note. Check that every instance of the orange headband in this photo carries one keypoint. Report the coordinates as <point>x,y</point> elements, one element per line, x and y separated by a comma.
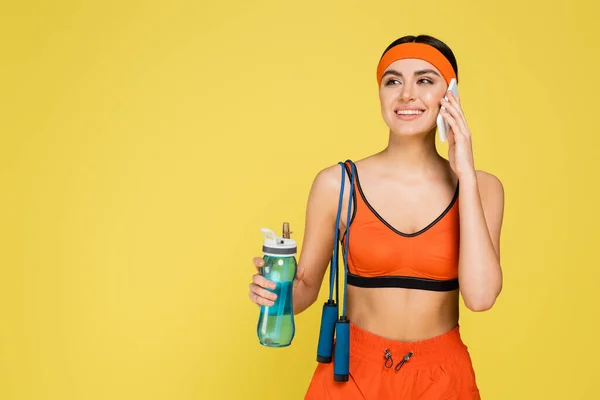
<point>416,50</point>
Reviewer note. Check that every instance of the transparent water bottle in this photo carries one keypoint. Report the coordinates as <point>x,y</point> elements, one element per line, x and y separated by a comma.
<point>276,327</point>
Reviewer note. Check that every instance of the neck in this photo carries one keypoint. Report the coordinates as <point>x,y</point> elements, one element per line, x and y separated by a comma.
<point>415,156</point>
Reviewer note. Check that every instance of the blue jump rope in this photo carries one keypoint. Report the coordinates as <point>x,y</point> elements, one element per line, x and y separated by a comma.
<point>331,323</point>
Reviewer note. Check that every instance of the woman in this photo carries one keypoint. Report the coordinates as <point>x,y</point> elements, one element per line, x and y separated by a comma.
<point>420,224</point>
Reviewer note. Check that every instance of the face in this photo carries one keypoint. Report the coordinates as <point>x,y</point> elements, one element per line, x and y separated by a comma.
<point>410,94</point>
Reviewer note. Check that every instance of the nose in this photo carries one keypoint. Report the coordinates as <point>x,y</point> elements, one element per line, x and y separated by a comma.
<point>408,92</point>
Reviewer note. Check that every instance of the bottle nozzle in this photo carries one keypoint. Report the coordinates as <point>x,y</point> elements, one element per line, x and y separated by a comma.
<point>286,230</point>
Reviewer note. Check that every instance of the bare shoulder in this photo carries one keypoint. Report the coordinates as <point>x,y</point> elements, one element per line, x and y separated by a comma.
<point>326,185</point>
<point>325,190</point>
<point>491,193</point>
<point>490,186</point>
<point>328,179</point>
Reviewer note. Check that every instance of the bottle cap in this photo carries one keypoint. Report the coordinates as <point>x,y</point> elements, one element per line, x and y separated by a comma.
<point>277,246</point>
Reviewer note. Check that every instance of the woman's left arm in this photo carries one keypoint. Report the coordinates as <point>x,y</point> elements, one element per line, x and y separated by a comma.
<point>481,209</point>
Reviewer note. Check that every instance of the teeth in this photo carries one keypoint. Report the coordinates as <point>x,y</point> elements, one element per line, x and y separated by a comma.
<point>409,112</point>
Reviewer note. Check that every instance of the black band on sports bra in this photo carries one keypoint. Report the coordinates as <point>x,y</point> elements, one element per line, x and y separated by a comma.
<point>405,282</point>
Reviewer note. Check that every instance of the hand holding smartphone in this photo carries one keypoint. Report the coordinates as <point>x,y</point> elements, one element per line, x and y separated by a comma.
<point>442,125</point>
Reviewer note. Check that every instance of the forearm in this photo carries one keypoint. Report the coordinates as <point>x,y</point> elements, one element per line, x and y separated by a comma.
<point>479,271</point>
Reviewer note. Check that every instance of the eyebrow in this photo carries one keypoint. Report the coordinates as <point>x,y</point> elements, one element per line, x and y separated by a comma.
<point>417,73</point>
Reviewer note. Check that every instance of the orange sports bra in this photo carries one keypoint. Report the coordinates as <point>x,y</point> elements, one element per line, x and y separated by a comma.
<point>379,255</point>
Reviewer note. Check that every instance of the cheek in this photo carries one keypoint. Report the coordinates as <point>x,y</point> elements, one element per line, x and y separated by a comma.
<point>432,98</point>
<point>386,99</point>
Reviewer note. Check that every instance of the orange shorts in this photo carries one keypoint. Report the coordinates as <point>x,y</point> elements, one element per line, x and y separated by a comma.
<point>439,368</point>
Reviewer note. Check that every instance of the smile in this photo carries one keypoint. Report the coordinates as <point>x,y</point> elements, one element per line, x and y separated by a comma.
<point>408,115</point>
<point>409,112</point>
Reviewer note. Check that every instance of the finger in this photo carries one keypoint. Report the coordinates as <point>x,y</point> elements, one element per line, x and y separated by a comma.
<point>450,137</point>
<point>260,300</point>
<point>452,122</point>
<point>263,282</point>
<point>450,106</point>
<point>456,97</point>
<point>258,262</point>
<point>449,111</point>
<point>453,106</point>
<point>452,99</point>
<point>262,292</point>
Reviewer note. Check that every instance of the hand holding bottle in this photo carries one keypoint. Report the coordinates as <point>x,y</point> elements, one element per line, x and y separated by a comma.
<point>258,288</point>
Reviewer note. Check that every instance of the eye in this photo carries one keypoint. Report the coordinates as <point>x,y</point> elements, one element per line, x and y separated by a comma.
<point>427,81</point>
<point>391,81</point>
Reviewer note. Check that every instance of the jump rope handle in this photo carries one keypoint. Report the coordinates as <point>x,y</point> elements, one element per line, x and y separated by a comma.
<point>341,362</point>
<point>328,319</point>
<point>329,314</point>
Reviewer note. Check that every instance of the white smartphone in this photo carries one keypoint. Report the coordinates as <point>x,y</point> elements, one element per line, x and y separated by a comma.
<point>442,125</point>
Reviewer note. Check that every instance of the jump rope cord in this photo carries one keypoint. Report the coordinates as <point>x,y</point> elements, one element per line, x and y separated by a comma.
<point>334,260</point>
<point>350,204</point>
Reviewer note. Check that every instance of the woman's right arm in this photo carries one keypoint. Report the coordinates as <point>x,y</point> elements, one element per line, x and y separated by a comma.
<point>317,244</point>
<point>319,234</point>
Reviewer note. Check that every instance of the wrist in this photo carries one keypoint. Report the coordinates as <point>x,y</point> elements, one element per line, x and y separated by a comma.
<point>468,179</point>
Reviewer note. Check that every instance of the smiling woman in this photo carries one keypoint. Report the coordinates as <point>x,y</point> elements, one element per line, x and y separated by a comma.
<point>415,225</point>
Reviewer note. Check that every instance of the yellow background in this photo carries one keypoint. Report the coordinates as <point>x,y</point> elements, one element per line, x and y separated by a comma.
<point>143,145</point>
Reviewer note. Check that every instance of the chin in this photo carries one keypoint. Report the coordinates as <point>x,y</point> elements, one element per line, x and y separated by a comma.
<point>409,128</point>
